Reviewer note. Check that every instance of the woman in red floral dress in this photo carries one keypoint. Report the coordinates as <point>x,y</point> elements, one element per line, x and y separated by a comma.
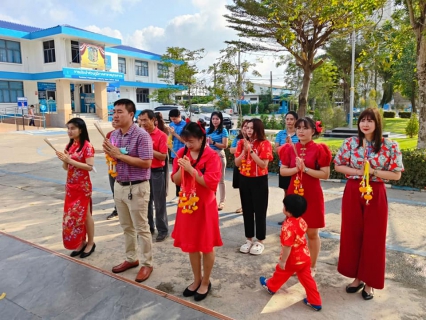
<point>78,159</point>
<point>365,216</point>
<point>197,169</point>
<point>307,162</point>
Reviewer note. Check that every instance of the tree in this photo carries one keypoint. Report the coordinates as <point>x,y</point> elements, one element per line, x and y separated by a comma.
<point>230,76</point>
<point>412,127</point>
<point>417,13</point>
<point>339,52</point>
<point>404,46</point>
<point>180,73</point>
<point>298,27</point>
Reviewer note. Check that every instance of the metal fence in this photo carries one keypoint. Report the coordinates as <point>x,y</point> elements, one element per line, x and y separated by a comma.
<point>21,118</point>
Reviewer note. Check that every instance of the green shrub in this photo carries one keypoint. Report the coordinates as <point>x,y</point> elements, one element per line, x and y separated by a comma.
<point>405,115</point>
<point>412,128</point>
<point>273,123</point>
<point>414,161</point>
<point>389,114</point>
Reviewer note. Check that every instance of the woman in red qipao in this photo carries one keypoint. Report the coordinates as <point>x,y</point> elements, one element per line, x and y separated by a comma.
<point>307,162</point>
<point>78,159</point>
<point>197,169</point>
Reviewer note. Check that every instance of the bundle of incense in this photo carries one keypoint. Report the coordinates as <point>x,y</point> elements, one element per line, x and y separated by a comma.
<point>294,148</point>
<point>173,152</point>
<point>48,142</point>
<point>99,129</point>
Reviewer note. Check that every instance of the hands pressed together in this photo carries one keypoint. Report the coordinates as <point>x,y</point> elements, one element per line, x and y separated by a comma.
<point>185,164</point>
<point>110,149</point>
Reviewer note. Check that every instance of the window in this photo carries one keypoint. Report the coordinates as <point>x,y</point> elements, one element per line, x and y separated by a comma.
<point>163,71</point>
<point>75,52</point>
<point>10,51</point>
<point>122,65</point>
<point>87,88</point>
<point>49,51</point>
<point>141,68</point>
<point>142,95</point>
<point>10,91</point>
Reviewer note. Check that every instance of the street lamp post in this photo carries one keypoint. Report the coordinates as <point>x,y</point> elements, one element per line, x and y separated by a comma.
<point>352,96</point>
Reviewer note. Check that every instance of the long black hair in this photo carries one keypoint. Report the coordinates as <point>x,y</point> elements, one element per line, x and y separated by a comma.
<point>84,135</point>
<point>194,130</point>
<point>160,121</point>
<point>240,133</point>
<point>220,126</point>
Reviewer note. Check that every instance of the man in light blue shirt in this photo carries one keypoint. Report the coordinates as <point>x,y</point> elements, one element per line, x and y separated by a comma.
<point>175,128</point>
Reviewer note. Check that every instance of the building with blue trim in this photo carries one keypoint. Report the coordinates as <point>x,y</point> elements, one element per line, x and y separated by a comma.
<point>65,70</point>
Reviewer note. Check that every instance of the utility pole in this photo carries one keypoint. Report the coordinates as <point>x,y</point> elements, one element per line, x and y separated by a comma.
<point>270,84</point>
<point>214,74</point>
<point>240,112</point>
<point>352,96</point>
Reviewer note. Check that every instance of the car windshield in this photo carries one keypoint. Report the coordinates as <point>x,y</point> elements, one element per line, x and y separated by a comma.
<point>207,109</point>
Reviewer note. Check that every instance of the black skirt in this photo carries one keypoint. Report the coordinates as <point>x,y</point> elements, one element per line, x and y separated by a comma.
<point>236,178</point>
<point>283,182</point>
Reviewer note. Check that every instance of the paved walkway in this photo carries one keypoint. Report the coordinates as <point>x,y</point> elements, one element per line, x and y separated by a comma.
<point>40,284</point>
<point>32,193</point>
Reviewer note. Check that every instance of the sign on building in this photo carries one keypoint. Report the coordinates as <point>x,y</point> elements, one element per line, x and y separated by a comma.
<point>22,102</point>
<point>92,56</point>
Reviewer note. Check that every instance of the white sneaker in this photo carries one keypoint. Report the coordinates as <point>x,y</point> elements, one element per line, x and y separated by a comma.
<point>245,248</point>
<point>257,248</point>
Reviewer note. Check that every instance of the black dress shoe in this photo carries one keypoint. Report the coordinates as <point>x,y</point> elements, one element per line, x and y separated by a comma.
<point>86,254</point>
<point>77,253</point>
<point>161,237</point>
<point>367,296</point>
<point>281,223</point>
<point>202,296</point>
<point>190,293</point>
<point>350,289</point>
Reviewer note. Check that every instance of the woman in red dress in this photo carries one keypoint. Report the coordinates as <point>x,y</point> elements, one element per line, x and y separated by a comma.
<point>197,169</point>
<point>78,159</point>
<point>307,162</point>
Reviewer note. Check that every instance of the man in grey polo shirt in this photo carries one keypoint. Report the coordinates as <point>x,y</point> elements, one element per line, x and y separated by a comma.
<point>132,147</point>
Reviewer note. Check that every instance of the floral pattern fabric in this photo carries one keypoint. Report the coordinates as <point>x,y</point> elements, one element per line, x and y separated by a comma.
<point>293,235</point>
<point>263,149</point>
<point>78,197</point>
<point>389,157</point>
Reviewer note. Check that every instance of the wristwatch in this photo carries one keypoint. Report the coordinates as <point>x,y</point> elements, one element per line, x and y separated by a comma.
<point>214,142</point>
<point>251,151</point>
<point>306,170</point>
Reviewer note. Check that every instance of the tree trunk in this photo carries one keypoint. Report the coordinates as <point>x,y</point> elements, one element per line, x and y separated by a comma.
<point>346,96</point>
<point>421,76</point>
<point>413,96</point>
<point>303,96</point>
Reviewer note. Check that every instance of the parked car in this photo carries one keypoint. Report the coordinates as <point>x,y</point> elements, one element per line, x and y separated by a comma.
<point>204,111</point>
<point>165,109</point>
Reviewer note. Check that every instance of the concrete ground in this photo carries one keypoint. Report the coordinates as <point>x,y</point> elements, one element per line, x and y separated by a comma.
<point>32,192</point>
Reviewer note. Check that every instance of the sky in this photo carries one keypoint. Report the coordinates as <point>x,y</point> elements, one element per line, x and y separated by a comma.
<point>146,24</point>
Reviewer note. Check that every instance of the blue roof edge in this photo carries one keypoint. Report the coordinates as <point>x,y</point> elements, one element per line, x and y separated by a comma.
<point>140,55</point>
<point>71,31</point>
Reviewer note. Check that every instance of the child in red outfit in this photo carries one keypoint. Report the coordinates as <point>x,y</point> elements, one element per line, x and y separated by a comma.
<point>294,256</point>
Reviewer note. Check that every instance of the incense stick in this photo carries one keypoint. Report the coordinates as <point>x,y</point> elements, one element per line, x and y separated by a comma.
<point>99,129</point>
<point>173,152</point>
<point>48,142</point>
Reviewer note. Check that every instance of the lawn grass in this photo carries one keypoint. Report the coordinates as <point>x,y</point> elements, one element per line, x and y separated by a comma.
<point>404,143</point>
<point>395,125</point>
